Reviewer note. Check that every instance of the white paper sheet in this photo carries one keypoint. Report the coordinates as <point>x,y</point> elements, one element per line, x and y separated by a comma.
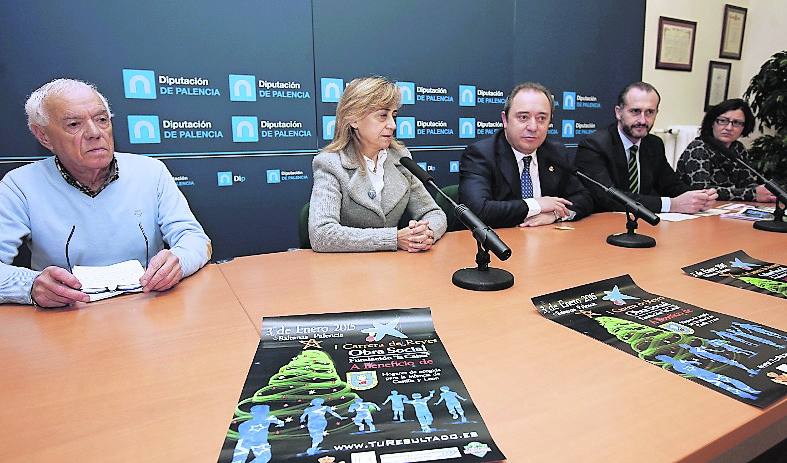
<point>103,282</point>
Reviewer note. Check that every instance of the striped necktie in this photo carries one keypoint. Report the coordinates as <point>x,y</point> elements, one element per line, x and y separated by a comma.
<point>633,174</point>
<point>525,180</point>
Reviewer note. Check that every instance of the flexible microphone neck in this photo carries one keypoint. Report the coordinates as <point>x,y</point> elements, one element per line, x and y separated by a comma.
<point>772,186</point>
<point>485,235</point>
<point>425,178</point>
<point>581,174</point>
<point>719,147</point>
<point>636,208</point>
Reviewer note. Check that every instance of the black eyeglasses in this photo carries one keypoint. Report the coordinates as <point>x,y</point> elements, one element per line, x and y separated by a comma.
<point>120,287</point>
<point>723,122</point>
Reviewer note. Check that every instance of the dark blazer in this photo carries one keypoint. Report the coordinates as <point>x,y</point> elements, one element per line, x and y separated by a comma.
<point>602,157</point>
<point>489,181</point>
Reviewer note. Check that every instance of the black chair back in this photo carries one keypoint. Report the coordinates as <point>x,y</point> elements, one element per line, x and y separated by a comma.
<point>452,191</point>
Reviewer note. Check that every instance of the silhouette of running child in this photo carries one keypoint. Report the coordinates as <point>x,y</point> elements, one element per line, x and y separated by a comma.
<point>453,405</point>
<point>421,406</point>
<point>731,385</point>
<point>397,404</point>
<point>317,422</point>
<point>700,351</point>
<point>254,436</point>
<point>363,413</point>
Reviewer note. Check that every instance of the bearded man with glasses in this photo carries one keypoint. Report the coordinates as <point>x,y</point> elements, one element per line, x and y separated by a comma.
<point>89,205</point>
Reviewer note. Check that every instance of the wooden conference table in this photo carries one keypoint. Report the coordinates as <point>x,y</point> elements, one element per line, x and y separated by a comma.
<point>156,378</point>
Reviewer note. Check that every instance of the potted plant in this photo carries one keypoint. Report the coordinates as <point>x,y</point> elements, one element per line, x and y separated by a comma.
<point>767,95</point>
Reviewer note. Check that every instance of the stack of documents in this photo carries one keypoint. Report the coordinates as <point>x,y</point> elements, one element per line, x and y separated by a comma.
<point>111,280</point>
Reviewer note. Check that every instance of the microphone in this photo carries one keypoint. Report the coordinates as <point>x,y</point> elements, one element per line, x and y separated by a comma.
<point>772,186</point>
<point>485,235</point>
<point>419,173</point>
<point>636,208</point>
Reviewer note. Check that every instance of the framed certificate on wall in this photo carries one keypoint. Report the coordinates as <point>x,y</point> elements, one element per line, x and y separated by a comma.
<point>675,47</point>
<point>732,30</point>
<point>718,83</point>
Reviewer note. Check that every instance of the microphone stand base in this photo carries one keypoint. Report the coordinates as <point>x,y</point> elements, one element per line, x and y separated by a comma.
<point>771,226</point>
<point>491,279</point>
<point>631,240</point>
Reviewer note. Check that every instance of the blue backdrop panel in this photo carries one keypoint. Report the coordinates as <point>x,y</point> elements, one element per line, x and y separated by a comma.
<point>442,164</point>
<point>237,98</point>
<point>247,205</point>
<point>585,52</point>
<point>433,48</point>
<point>165,64</point>
<point>183,83</point>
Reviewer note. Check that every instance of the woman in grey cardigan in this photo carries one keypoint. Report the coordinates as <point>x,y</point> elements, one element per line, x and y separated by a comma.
<point>361,190</point>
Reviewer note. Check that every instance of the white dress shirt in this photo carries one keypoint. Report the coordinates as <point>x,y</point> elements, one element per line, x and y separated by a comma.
<point>533,208</point>
<point>375,171</point>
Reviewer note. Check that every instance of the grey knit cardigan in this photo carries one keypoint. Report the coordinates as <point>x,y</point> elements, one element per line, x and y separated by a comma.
<point>346,216</point>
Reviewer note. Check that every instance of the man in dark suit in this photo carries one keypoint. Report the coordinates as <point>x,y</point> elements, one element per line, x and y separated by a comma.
<point>513,178</point>
<point>626,156</point>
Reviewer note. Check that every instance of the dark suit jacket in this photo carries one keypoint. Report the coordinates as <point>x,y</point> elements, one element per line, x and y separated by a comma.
<point>489,181</point>
<point>602,157</point>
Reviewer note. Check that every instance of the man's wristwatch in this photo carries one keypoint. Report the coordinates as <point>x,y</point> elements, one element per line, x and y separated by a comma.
<point>32,299</point>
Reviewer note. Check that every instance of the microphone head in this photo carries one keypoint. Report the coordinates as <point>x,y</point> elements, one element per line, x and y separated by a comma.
<point>416,170</point>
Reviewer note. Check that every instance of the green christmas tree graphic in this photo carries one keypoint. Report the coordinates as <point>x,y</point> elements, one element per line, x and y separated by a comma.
<point>648,342</point>
<point>774,286</point>
<point>311,374</point>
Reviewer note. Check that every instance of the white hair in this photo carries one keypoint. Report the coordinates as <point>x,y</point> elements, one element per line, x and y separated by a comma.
<point>34,106</point>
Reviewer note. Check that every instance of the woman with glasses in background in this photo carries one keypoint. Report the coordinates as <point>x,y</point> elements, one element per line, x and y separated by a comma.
<point>702,165</point>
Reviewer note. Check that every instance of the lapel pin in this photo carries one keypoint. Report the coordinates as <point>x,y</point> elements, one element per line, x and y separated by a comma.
<point>372,194</point>
<point>551,168</point>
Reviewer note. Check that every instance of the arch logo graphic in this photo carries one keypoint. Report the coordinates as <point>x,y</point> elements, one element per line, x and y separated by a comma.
<point>331,89</point>
<point>405,127</point>
<point>143,129</point>
<point>569,101</point>
<point>139,83</point>
<point>467,95</point>
<point>407,89</point>
<point>244,129</point>
<point>567,128</point>
<point>328,127</point>
<point>242,87</point>
<point>273,176</point>
<point>224,178</point>
<point>467,127</point>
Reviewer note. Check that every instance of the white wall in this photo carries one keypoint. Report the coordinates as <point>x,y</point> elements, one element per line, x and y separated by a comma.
<point>767,35</point>
<point>683,93</point>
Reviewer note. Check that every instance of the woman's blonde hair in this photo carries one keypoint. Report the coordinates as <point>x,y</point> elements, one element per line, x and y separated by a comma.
<point>362,97</point>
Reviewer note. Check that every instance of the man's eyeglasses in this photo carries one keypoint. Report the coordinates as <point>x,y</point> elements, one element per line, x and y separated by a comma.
<point>131,287</point>
<point>724,122</point>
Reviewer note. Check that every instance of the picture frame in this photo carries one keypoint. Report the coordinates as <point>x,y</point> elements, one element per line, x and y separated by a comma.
<point>718,85</point>
<point>675,46</point>
<point>732,30</point>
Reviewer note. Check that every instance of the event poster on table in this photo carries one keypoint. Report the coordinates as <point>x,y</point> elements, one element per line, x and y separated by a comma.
<point>737,357</point>
<point>360,387</point>
<point>740,270</point>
